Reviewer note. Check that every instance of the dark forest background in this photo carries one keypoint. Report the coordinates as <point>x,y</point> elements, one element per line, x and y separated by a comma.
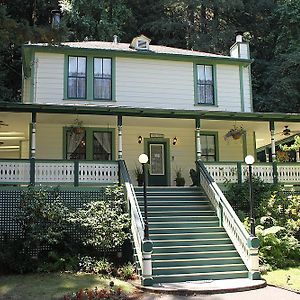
<point>271,26</point>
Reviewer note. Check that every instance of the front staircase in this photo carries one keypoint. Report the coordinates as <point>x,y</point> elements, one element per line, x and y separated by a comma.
<point>188,243</point>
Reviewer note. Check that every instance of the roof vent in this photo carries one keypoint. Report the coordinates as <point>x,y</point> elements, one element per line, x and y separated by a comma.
<point>140,43</point>
<point>115,39</point>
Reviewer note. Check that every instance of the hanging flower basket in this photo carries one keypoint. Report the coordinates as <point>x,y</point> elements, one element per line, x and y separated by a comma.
<point>77,127</point>
<point>236,132</point>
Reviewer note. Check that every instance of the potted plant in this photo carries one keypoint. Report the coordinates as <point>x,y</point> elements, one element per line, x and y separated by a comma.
<point>235,132</point>
<point>139,176</point>
<point>77,127</point>
<point>179,179</point>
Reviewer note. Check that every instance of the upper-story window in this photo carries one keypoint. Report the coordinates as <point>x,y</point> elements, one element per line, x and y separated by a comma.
<point>205,84</point>
<point>102,78</point>
<point>77,77</point>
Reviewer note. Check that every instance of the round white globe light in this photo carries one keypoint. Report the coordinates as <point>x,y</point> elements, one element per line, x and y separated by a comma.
<point>249,160</point>
<point>143,158</point>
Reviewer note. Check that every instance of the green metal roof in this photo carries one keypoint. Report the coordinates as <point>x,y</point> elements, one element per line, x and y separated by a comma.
<point>147,112</point>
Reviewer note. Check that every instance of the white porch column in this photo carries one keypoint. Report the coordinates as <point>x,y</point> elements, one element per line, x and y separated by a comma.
<point>32,152</point>
<point>198,141</point>
<point>120,138</point>
<point>272,132</point>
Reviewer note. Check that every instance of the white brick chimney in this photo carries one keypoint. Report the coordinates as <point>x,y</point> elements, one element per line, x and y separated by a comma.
<point>240,49</point>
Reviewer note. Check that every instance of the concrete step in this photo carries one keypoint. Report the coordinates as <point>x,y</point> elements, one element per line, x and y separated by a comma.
<point>193,254</point>
<point>198,269</point>
<point>199,276</point>
<point>194,262</point>
<point>210,247</point>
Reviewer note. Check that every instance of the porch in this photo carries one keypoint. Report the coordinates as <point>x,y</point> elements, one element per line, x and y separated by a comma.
<point>91,173</point>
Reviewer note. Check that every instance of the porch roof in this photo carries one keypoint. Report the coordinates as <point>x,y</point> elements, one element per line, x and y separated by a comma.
<point>147,112</point>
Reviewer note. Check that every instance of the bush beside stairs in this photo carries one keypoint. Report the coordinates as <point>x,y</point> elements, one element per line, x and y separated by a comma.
<point>188,243</point>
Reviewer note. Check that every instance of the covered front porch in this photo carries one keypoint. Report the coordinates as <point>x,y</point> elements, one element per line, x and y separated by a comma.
<point>37,148</point>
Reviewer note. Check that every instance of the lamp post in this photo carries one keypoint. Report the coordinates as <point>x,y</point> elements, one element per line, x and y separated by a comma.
<point>143,159</point>
<point>249,160</point>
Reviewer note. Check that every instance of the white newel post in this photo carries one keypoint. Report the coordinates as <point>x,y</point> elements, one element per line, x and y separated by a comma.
<point>253,244</point>
<point>32,148</point>
<point>198,140</point>
<point>147,248</point>
<point>120,138</point>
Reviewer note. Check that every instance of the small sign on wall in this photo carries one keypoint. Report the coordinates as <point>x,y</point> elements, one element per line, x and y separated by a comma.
<point>157,135</point>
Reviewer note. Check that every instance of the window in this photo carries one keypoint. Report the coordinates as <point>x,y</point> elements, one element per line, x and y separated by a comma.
<point>205,84</point>
<point>77,77</point>
<point>102,78</point>
<point>90,144</point>
<point>102,147</point>
<point>208,147</point>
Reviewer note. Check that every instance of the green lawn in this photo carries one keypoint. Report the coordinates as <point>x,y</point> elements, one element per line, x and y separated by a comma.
<point>52,286</point>
<point>280,278</point>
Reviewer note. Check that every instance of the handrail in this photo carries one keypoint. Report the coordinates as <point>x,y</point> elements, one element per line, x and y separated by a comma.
<point>246,245</point>
<point>137,223</point>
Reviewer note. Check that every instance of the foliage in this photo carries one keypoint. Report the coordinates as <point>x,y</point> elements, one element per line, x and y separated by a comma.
<point>278,247</point>
<point>43,221</point>
<point>127,271</point>
<point>89,264</point>
<point>103,223</point>
<point>294,147</point>
<point>238,195</point>
<point>90,294</point>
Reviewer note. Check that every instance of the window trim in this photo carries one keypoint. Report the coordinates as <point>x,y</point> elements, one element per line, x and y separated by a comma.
<point>111,78</point>
<point>89,142</point>
<point>86,76</point>
<point>89,77</point>
<point>196,93</point>
<point>216,136</point>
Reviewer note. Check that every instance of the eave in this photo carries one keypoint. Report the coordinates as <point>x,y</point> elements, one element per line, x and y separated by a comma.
<point>148,112</point>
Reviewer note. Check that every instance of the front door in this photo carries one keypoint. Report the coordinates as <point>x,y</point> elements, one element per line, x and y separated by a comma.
<point>157,152</point>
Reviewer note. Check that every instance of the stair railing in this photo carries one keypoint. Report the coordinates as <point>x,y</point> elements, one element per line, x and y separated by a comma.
<point>245,244</point>
<point>143,247</point>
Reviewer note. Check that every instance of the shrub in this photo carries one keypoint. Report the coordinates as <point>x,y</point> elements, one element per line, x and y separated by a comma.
<point>90,264</point>
<point>104,224</point>
<point>127,271</point>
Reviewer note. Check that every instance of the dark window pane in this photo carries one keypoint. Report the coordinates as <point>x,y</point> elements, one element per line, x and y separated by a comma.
<point>102,145</point>
<point>72,87</point>
<point>76,145</point>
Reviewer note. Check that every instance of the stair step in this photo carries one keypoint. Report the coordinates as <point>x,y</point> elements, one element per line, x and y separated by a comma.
<point>198,269</point>
<point>175,203</point>
<point>177,208</point>
<point>193,254</point>
<point>191,235</point>
<point>199,276</point>
<point>177,224</point>
<point>174,198</point>
<point>188,213</point>
<point>195,229</point>
<point>192,248</point>
<point>196,262</point>
<point>191,242</point>
<point>182,218</point>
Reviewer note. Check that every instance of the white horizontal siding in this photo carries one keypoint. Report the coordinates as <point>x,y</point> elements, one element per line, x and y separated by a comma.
<point>228,88</point>
<point>49,78</point>
<point>154,83</point>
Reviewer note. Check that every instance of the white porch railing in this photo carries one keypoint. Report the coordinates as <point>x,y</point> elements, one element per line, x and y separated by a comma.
<point>246,245</point>
<point>58,172</point>
<point>287,173</point>
<point>143,247</point>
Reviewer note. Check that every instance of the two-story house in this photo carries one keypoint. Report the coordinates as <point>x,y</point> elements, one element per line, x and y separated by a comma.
<point>88,107</point>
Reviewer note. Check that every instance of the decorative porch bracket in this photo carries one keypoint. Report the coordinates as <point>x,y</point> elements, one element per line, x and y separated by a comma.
<point>246,245</point>
<point>143,247</point>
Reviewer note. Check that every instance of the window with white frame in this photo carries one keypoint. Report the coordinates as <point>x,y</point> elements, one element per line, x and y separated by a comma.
<point>208,147</point>
<point>77,77</point>
<point>205,84</point>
